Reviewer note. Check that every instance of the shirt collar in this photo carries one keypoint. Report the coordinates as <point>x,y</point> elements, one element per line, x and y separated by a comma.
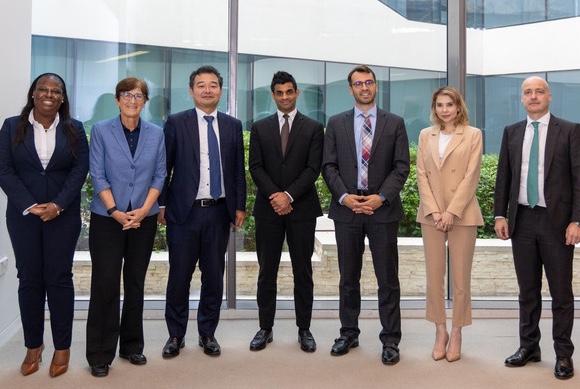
<point>291,115</point>
<point>372,112</point>
<point>36,124</point>
<point>543,120</point>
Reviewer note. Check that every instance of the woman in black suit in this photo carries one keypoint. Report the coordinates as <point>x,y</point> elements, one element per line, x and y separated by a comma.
<point>44,159</point>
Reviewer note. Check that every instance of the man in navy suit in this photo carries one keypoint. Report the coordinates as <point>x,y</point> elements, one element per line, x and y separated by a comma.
<point>204,193</point>
<point>365,165</point>
<point>538,190</point>
<point>285,158</point>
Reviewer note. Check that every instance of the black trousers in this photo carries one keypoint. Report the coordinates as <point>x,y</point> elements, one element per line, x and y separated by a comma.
<point>383,245</point>
<point>535,245</point>
<point>114,251</point>
<point>270,236</point>
<point>44,254</point>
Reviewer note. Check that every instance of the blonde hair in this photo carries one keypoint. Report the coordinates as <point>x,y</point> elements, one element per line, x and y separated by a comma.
<point>462,114</point>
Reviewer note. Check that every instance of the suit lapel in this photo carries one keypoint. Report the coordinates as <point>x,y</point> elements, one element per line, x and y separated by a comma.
<point>551,139</point>
<point>274,133</point>
<point>191,135</point>
<point>520,131</point>
<point>455,141</point>
<point>297,125</point>
<point>349,129</point>
<point>118,133</point>
<point>29,144</point>
<point>379,130</point>
<point>434,145</point>
<point>143,135</point>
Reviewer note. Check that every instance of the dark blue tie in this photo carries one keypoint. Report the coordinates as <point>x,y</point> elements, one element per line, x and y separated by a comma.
<point>215,174</point>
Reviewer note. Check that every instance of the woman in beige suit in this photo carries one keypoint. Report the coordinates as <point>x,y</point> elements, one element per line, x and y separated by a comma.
<point>448,166</point>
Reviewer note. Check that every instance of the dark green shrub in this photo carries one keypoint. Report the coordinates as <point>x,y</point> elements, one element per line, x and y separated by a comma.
<point>409,195</point>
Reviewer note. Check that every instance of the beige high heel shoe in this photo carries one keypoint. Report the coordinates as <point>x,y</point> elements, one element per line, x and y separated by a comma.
<point>454,349</point>
<point>441,339</point>
<point>31,361</point>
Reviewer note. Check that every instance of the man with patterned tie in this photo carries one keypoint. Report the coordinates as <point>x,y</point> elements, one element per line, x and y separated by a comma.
<point>285,157</point>
<point>204,195</point>
<point>537,205</point>
<point>365,164</point>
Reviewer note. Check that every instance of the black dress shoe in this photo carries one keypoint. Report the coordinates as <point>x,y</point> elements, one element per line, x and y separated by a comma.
<point>210,345</point>
<point>564,368</point>
<point>523,356</point>
<point>343,344</point>
<point>307,342</point>
<point>172,347</point>
<point>100,370</point>
<point>390,354</point>
<point>260,340</point>
<point>135,359</point>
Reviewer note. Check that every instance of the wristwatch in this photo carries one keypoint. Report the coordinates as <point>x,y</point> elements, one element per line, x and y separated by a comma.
<point>577,223</point>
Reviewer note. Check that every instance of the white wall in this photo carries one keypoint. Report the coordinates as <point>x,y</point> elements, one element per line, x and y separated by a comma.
<point>15,44</point>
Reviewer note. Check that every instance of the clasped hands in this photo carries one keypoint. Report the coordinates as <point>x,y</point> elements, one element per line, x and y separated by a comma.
<point>362,204</point>
<point>443,221</point>
<point>46,211</point>
<point>130,219</point>
<point>280,201</point>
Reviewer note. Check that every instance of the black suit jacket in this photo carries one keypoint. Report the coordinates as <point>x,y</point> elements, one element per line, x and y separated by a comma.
<point>295,173</point>
<point>561,174</point>
<point>388,164</point>
<point>26,182</point>
<point>183,166</point>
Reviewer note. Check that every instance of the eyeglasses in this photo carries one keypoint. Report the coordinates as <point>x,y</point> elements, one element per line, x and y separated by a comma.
<point>127,96</point>
<point>359,84</point>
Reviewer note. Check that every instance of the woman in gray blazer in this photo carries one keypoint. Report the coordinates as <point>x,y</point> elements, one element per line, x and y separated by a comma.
<point>127,166</point>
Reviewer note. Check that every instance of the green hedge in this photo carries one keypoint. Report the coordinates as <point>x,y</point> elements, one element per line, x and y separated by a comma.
<point>409,195</point>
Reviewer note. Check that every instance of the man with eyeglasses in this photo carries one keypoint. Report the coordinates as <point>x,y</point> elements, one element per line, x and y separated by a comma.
<point>204,196</point>
<point>365,165</point>
<point>537,205</point>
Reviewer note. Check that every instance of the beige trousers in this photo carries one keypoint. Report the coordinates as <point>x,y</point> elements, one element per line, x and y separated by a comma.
<point>461,241</point>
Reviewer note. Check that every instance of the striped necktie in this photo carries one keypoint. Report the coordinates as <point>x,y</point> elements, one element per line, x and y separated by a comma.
<point>366,145</point>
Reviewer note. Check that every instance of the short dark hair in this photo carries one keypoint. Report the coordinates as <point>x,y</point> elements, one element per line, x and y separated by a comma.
<point>282,77</point>
<point>130,83</point>
<point>360,69</point>
<point>203,70</point>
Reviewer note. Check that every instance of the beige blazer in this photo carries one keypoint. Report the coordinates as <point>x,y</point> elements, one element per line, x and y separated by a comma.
<point>451,185</point>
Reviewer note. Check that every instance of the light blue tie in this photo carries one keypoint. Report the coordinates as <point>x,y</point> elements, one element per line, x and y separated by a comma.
<point>533,192</point>
<point>215,174</point>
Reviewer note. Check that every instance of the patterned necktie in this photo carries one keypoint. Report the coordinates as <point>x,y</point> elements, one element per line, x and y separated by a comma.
<point>366,145</point>
<point>215,174</point>
<point>533,192</point>
<point>284,134</point>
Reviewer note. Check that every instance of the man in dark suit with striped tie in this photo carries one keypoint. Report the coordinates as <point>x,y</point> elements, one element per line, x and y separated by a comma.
<point>365,164</point>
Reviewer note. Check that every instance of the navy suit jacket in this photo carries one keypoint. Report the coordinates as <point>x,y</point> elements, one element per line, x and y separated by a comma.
<point>388,164</point>
<point>561,174</point>
<point>129,177</point>
<point>294,173</point>
<point>26,182</point>
<point>183,164</point>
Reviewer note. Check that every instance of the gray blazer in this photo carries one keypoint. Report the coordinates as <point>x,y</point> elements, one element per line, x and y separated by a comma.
<point>388,165</point>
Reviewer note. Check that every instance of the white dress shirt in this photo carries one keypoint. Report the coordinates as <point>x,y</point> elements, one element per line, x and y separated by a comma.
<point>203,191</point>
